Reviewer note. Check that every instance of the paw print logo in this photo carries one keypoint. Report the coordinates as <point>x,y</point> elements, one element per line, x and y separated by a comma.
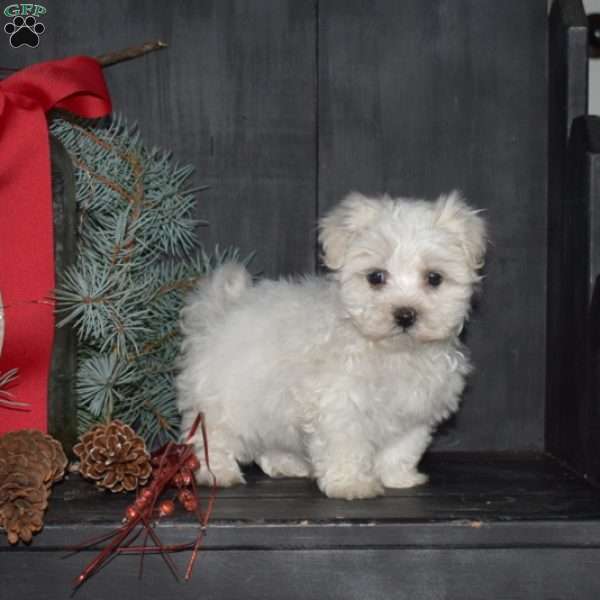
<point>24,32</point>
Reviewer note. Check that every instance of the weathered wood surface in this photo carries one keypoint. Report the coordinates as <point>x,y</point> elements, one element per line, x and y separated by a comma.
<point>376,574</point>
<point>486,526</point>
<point>234,95</point>
<point>469,487</point>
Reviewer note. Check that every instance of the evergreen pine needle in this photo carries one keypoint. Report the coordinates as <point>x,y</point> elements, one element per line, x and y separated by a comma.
<point>137,258</point>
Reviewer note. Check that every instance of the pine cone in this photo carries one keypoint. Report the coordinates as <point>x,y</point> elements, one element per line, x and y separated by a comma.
<point>30,461</point>
<point>34,450</point>
<point>24,514</point>
<point>114,456</point>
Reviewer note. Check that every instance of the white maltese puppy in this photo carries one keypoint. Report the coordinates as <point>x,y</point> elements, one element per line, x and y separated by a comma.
<point>342,378</point>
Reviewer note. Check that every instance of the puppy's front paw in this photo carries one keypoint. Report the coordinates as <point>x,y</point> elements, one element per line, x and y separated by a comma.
<point>404,478</point>
<point>351,489</point>
<point>225,475</point>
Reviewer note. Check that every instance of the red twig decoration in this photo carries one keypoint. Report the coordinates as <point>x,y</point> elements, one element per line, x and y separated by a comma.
<point>174,465</point>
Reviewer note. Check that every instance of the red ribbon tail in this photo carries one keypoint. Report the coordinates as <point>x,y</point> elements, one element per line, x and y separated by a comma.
<point>26,218</point>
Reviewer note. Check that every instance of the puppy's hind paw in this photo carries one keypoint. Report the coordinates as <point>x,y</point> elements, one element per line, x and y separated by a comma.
<point>283,464</point>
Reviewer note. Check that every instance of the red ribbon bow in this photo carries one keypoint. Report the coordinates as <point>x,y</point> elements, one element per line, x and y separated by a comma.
<point>26,221</point>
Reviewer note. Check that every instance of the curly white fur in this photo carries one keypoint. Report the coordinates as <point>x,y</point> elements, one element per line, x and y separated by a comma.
<point>316,377</point>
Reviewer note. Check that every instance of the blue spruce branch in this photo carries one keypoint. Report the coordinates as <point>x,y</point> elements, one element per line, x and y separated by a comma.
<point>138,257</point>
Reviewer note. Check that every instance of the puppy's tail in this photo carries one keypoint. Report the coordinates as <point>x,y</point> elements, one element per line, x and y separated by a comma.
<point>214,296</point>
<point>228,282</point>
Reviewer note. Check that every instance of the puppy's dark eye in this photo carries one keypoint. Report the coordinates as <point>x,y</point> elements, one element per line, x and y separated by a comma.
<point>376,278</point>
<point>434,279</point>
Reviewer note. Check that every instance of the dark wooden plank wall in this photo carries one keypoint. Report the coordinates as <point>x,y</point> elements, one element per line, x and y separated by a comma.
<point>234,95</point>
<point>414,98</point>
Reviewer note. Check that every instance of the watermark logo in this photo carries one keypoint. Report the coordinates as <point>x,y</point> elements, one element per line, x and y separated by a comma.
<point>25,27</point>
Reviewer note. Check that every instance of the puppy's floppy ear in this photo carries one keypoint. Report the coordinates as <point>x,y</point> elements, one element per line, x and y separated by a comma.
<point>339,226</point>
<point>456,216</point>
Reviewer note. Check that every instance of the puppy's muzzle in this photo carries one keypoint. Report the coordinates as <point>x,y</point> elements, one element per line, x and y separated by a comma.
<point>405,317</point>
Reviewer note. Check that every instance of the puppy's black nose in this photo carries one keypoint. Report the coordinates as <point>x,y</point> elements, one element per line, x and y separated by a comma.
<point>405,317</point>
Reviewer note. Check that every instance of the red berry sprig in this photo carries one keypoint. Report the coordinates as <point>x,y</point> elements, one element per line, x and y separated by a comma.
<point>173,466</point>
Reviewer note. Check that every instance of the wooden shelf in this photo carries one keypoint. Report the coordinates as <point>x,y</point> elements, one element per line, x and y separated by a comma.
<point>519,517</point>
<point>482,487</point>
